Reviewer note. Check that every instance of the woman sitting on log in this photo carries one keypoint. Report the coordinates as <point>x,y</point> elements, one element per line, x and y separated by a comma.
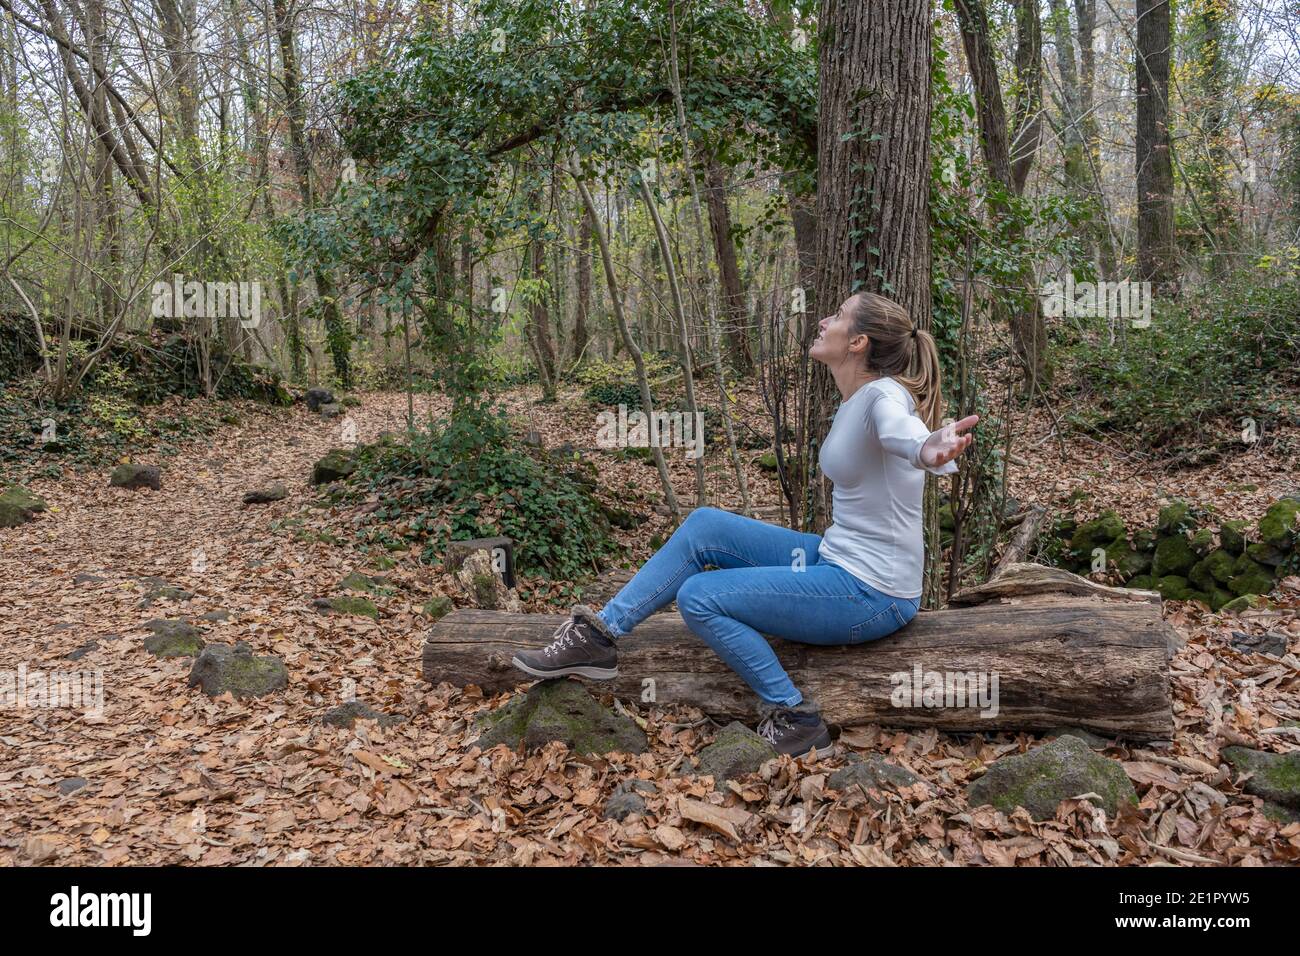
<point>858,582</point>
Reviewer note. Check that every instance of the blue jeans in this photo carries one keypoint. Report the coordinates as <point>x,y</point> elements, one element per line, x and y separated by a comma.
<point>769,578</point>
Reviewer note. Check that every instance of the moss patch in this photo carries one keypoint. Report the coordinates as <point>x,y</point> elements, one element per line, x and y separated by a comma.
<point>560,710</point>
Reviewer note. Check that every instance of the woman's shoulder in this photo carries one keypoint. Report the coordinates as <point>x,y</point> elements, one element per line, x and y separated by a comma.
<point>886,387</point>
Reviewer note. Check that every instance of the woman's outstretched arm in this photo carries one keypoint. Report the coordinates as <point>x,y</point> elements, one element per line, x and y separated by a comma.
<point>906,436</point>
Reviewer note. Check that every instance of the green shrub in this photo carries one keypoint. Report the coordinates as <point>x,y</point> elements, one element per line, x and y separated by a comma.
<point>465,477</point>
<point>613,394</point>
<point>1224,352</point>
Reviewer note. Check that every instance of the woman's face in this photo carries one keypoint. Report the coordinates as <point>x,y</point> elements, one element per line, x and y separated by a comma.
<point>836,341</point>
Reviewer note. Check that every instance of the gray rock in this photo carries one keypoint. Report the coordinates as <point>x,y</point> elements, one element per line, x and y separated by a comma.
<point>620,806</point>
<point>136,476</point>
<point>82,651</point>
<point>875,772</point>
<point>71,785</point>
<point>1275,777</point>
<point>1042,778</point>
<point>264,496</point>
<point>1087,736</point>
<point>560,710</point>
<point>627,800</point>
<point>316,397</point>
<point>85,578</point>
<point>173,638</point>
<point>345,715</point>
<point>331,410</point>
<point>165,592</point>
<point>1273,644</point>
<point>222,668</point>
<point>18,506</point>
<point>337,464</point>
<point>735,751</point>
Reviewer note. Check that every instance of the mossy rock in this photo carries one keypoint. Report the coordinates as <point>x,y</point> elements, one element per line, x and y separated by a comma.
<point>173,638</point>
<point>18,506</point>
<point>1173,587</point>
<point>349,604</point>
<point>1064,528</point>
<point>222,667</point>
<point>1145,541</point>
<point>735,751</point>
<point>338,463</point>
<point>1199,596</point>
<point>136,476</point>
<point>1144,582</point>
<point>1095,741</point>
<point>1126,561</point>
<point>872,773</point>
<point>1097,533</point>
<point>165,592</point>
<point>438,607</point>
<point>1232,536</point>
<point>1175,518</point>
<point>1250,577</point>
<point>265,496</point>
<point>345,715</point>
<point>1042,778</point>
<point>1219,599</point>
<point>1218,564</point>
<point>560,710</point>
<point>1173,556</point>
<point>356,581</point>
<point>1265,553</point>
<point>1278,525</point>
<point>1276,776</point>
<point>767,462</point>
<point>1246,602</point>
<point>1202,542</point>
<point>622,518</point>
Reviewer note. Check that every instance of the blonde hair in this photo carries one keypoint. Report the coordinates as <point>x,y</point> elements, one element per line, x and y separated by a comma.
<point>899,349</point>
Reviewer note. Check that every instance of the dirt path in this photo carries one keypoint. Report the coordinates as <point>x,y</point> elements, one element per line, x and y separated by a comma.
<point>171,775</point>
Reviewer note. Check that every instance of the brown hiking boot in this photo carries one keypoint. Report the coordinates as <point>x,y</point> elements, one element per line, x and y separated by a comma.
<point>582,646</point>
<point>795,730</point>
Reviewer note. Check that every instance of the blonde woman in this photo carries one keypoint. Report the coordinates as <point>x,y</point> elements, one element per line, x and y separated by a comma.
<point>859,581</point>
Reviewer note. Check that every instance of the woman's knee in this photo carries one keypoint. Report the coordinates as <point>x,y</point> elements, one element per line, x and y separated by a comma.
<point>693,597</point>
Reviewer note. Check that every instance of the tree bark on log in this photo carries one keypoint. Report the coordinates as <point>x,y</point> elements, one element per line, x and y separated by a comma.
<point>1079,661</point>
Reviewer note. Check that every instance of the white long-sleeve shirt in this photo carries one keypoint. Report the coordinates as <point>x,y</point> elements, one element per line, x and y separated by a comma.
<point>872,454</point>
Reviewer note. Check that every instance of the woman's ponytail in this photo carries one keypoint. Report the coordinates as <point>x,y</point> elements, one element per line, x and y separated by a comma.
<point>902,351</point>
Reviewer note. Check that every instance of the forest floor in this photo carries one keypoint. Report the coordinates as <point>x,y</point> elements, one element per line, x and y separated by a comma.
<point>165,774</point>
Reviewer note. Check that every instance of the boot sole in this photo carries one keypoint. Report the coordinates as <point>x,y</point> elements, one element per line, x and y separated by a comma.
<point>592,673</point>
<point>818,752</point>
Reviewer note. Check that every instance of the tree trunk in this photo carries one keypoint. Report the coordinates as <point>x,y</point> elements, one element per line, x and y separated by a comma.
<point>724,249</point>
<point>1102,236</point>
<point>1155,176</point>
<point>338,334</point>
<point>616,300</point>
<point>873,190</point>
<point>582,308</point>
<point>1024,314</point>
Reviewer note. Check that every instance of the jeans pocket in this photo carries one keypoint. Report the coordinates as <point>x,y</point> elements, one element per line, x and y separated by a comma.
<point>885,621</point>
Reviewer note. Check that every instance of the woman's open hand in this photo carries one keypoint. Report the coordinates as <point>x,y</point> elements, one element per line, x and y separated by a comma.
<point>948,442</point>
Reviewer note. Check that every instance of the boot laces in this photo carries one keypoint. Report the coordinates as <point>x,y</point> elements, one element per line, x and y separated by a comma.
<point>564,637</point>
<point>772,726</point>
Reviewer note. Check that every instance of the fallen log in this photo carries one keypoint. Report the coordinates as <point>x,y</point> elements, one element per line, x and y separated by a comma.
<point>1030,580</point>
<point>1033,663</point>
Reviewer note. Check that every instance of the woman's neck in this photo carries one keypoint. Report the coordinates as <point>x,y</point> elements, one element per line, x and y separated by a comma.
<point>849,380</point>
